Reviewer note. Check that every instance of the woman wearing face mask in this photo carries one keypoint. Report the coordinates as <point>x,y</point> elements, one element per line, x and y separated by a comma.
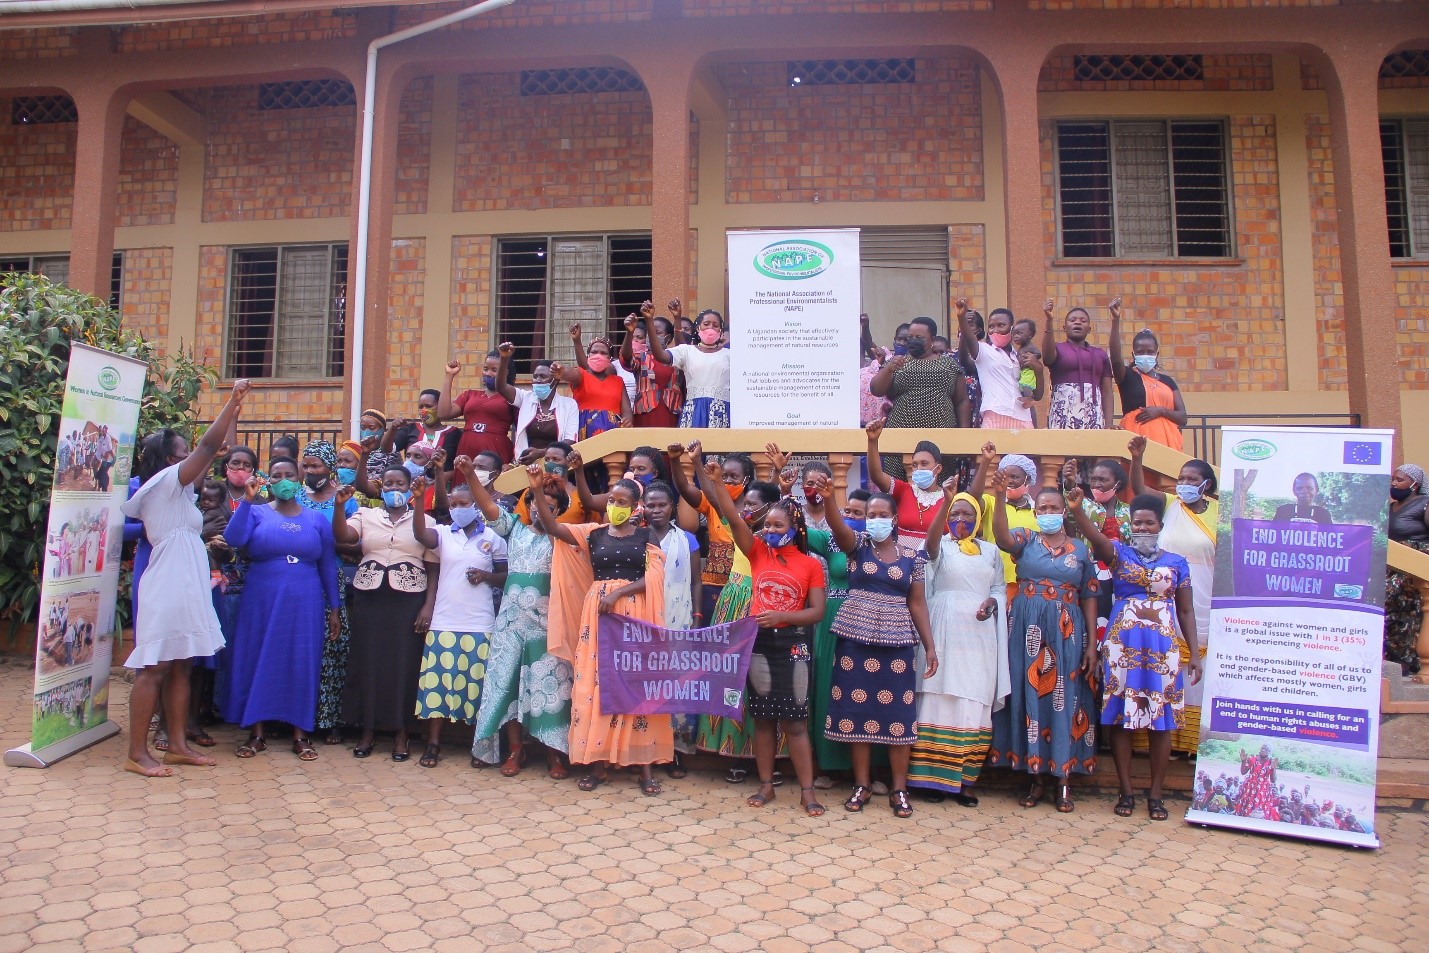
<point>1081,374</point>
<point>917,499</point>
<point>818,494</point>
<point>997,367</point>
<point>292,573</point>
<point>473,569</point>
<point>967,612</point>
<point>376,439</point>
<point>487,413</point>
<point>788,601</point>
<point>658,397</point>
<point>1403,606</point>
<point>1192,514</point>
<point>601,569</point>
<point>351,471</point>
<point>1046,726</point>
<point>543,417</point>
<point>682,591</point>
<point>879,628</point>
<point>1151,403</point>
<point>928,393</point>
<point>705,365</point>
<point>1153,616</point>
<point>239,466</point>
<point>391,611</point>
<point>1019,481</point>
<point>646,466</point>
<point>318,489</point>
<point>596,386</point>
<point>736,478</point>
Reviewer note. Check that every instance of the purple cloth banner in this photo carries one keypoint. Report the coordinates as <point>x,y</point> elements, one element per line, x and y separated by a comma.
<point>1308,560</point>
<point>650,670</point>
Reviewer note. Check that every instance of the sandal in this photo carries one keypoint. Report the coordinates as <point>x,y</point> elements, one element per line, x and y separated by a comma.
<point>590,782</point>
<point>675,769</point>
<point>777,779</point>
<point>514,762</point>
<point>1125,805</point>
<point>759,798</point>
<point>249,748</point>
<point>363,751</point>
<point>650,787</point>
<point>1155,809</point>
<point>1064,802</point>
<point>823,782</point>
<point>812,807</point>
<point>403,755</point>
<point>303,748</point>
<point>556,767</point>
<point>201,738</point>
<point>333,737</point>
<point>966,800</point>
<point>735,775</point>
<point>898,800</point>
<point>478,763</point>
<point>857,799</point>
<point>1034,795</point>
<point>430,756</point>
<point>161,741</point>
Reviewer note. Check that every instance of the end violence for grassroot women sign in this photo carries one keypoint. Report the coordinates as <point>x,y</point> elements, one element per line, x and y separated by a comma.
<point>1290,729</point>
<point>794,298</point>
<point>650,670</point>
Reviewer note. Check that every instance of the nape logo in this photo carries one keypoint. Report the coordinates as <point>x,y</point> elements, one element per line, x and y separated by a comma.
<point>793,260</point>
<point>1254,450</point>
<point>108,377</point>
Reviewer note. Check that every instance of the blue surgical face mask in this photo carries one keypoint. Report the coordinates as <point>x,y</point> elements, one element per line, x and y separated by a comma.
<point>542,391</point>
<point>1050,522</point>
<point>347,476</point>
<point>414,468</point>
<point>464,516</point>
<point>368,434</point>
<point>1145,362</point>
<point>879,528</point>
<point>488,381</point>
<point>922,479</point>
<point>775,540</point>
<point>859,525</point>
<point>396,498</point>
<point>1189,494</point>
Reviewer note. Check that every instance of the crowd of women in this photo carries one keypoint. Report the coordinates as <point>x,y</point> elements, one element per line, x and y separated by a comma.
<point>956,615</point>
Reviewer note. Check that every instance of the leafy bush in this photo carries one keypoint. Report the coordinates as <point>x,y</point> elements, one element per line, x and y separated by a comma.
<point>38,320</point>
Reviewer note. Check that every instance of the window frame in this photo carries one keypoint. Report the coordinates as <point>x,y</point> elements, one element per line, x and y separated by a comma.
<point>1232,246</point>
<point>1416,254</point>
<point>279,248</point>
<point>116,271</point>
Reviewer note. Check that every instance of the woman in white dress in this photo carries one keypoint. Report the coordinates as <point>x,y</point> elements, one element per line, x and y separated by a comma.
<point>967,606</point>
<point>176,621</point>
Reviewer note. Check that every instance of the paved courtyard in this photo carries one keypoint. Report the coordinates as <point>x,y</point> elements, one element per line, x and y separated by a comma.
<point>349,855</point>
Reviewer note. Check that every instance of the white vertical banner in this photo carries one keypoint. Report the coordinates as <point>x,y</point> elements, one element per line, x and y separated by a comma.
<point>1290,723</point>
<point>74,638</point>
<point>793,328</point>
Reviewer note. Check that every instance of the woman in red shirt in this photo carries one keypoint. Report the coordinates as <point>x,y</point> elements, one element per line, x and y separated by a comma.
<point>919,497</point>
<point>487,415</point>
<point>658,397</point>
<point>788,601</point>
<point>597,387</point>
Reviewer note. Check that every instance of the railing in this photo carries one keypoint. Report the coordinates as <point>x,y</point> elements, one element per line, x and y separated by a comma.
<point>1203,431</point>
<point>260,434</point>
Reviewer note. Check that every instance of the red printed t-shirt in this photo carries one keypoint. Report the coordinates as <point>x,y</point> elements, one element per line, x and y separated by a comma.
<point>592,393</point>
<point>782,586</point>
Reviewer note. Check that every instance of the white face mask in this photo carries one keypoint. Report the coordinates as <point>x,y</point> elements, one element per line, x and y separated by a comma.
<point>1146,544</point>
<point>484,477</point>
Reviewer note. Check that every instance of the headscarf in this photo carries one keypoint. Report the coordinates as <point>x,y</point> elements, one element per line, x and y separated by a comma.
<point>1025,464</point>
<point>373,412</point>
<point>1415,472</point>
<point>352,447</point>
<point>969,546</point>
<point>322,450</point>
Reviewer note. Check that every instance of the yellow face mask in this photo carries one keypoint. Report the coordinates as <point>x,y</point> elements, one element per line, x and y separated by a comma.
<point>616,514</point>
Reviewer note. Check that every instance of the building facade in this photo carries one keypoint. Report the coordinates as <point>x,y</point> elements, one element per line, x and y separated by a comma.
<point>1251,178</point>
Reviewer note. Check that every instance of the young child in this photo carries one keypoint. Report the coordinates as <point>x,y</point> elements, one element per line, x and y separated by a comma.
<point>213,503</point>
<point>1029,356</point>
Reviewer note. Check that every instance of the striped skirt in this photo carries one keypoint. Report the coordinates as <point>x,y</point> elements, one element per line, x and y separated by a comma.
<point>954,735</point>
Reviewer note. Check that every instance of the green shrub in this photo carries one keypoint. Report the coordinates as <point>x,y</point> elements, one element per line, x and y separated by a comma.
<point>38,320</point>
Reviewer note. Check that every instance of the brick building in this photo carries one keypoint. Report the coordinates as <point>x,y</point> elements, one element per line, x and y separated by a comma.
<point>1252,176</point>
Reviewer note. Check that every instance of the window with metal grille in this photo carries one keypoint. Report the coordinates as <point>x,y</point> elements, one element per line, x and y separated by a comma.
<point>1405,146</point>
<point>56,268</point>
<point>1144,189</point>
<point>850,72</point>
<point>286,311</point>
<point>595,79</point>
<point>1109,69</point>
<point>1405,63</point>
<point>36,110</point>
<point>306,94</point>
<point>544,285</point>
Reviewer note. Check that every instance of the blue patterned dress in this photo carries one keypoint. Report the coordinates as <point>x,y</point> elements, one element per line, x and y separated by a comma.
<point>1142,652</point>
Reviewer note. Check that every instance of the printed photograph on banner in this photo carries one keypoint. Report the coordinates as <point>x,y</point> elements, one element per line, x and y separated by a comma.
<point>1285,783</point>
<point>65,710</point>
<point>78,540</point>
<point>86,456</point>
<point>68,631</point>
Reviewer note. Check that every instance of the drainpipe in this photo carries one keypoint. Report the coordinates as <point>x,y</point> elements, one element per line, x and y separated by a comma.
<point>364,183</point>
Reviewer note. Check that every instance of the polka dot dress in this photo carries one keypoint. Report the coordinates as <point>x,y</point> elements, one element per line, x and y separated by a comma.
<point>453,670</point>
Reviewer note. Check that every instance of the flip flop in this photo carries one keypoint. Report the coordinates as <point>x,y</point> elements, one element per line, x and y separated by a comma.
<point>590,782</point>
<point>134,767</point>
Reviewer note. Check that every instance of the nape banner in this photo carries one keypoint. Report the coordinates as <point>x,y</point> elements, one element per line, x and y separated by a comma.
<point>75,630</point>
<point>1290,728</point>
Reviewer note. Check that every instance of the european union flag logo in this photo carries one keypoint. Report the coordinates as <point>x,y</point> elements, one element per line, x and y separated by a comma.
<point>1363,453</point>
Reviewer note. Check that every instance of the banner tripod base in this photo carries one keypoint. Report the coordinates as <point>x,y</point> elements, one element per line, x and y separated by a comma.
<point>24,757</point>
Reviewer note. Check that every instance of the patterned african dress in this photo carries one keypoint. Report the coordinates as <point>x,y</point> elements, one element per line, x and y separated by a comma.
<point>922,395</point>
<point>1257,791</point>
<point>726,736</point>
<point>873,694</point>
<point>1046,725</point>
<point>1142,651</point>
<point>524,682</point>
<point>830,755</point>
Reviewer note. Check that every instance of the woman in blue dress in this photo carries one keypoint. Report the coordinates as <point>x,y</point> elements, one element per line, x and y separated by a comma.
<point>1143,648</point>
<point>291,575</point>
<point>1046,725</point>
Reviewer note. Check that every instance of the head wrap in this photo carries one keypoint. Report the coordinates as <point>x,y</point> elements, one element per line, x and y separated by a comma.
<point>322,450</point>
<point>373,412</point>
<point>1025,464</point>
<point>969,546</point>
<point>1415,472</point>
<point>352,447</point>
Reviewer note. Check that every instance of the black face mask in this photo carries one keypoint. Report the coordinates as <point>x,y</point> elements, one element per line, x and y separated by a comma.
<point>1400,493</point>
<point>315,481</point>
<point>917,347</point>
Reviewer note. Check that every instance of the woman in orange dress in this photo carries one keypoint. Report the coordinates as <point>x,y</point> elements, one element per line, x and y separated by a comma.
<point>599,569</point>
<point>1151,403</point>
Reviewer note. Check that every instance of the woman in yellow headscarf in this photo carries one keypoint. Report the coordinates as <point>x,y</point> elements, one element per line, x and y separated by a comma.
<point>967,606</point>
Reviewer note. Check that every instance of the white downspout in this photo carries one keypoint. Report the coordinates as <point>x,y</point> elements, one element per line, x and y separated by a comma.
<point>358,307</point>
